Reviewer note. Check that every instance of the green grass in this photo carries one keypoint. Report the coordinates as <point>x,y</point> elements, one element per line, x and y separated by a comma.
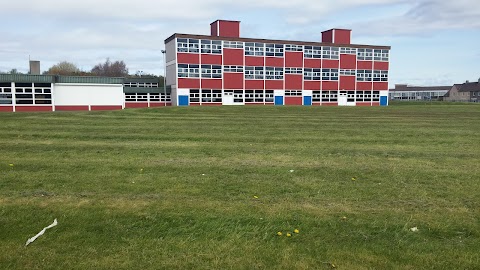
<point>193,206</point>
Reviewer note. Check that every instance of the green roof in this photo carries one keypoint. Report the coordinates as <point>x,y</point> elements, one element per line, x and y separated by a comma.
<point>23,78</point>
<point>92,80</point>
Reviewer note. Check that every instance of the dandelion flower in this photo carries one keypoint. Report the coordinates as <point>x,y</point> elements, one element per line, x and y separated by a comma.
<point>289,234</point>
<point>279,233</point>
<point>296,231</point>
<point>354,179</point>
<point>11,165</point>
<point>255,197</point>
<point>344,218</point>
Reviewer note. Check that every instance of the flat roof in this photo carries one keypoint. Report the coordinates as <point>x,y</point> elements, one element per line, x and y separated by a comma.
<point>274,41</point>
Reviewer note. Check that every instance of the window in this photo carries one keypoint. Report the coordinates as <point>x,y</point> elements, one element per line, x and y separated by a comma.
<point>329,96</point>
<point>188,71</point>
<point>313,52</point>
<point>254,49</point>
<point>249,96</point>
<point>236,69</point>
<point>312,74</point>
<point>364,75</point>
<point>188,45</point>
<point>329,74</point>
<point>348,72</point>
<point>274,50</point>
<point>376,96</point>
<point>380,76</point>
<point>316,96</point>
<point>293,71</point>
<point>294,48</point>
<point>41,94</point>
<point>293,93</point>
<point>6,95</point>
<point>194,95</point>
<point>380,55</point>
<point>212,47</point>
<point>254,73</point>
<point>269,95</point>
<point>140,84</point>
<point>259,96</point>
<point>211,71</point>
<point>365,54</point>
<point>344,50</point>
<point>330,52</point>
<point>209,95</point>
<point>273,73</point>
<point>233,44</point>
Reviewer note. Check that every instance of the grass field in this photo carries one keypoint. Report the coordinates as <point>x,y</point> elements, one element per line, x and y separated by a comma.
<point>209,188</point>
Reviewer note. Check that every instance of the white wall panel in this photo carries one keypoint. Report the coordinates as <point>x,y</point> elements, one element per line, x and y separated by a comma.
<point>88,94</point>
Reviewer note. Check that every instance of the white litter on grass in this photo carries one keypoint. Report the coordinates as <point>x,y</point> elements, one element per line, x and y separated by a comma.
<point>414,229</point>
<point>41,232</point>
<point>292,171</point>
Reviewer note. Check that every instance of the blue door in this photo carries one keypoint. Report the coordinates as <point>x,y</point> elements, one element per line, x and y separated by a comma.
<point>307,101</point>
<point>383,101</point>
<point>183,101</point>
<point>279,101</point>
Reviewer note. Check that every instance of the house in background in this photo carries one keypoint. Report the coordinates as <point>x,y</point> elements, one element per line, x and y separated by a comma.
<point>467,92</point>
<point>412,93</point>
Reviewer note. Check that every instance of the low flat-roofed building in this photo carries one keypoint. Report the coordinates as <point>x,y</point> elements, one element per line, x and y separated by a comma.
<point>408,92</point>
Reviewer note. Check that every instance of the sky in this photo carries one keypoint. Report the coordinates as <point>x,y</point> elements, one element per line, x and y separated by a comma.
<point>434,42</point>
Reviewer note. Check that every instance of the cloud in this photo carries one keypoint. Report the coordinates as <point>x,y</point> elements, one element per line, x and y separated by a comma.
<point>426,17</point>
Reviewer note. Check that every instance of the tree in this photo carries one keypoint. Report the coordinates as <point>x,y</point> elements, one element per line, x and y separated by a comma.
<point>63,68</point>
<point>109,69</point>
<point>14,71</point>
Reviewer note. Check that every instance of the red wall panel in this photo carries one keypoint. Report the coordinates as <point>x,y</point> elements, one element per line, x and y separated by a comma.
<point>19,108</point>
<point>362,86</point>
<point>71,108</point>
<point>312,85</point>
<point>330,63</point>
<point>273,62</point>
<point>342,36</point>
<point>327,85</point>
<point>274,84</point>
<point>212,83</point>
<point>348,61</point>
<point>330,104</point>
<point>233,57</point>
<point>6,108</point>
<point>229,29</point>
<point>211,59</point>
<point>364,104</point>
<point>136,104</point>
<point>105,108</point>
<point>327,36</point>
<point>365,65</point>
<point>293,82</point>
<point>380,86</point>
<point>347,82</point>
<point>293,100</point>
<point>233,80</point>
<point>254,84</point>
<point>188,58</point>
<point>375,103</point>
<point>212,104</point>
<point>188,83</point>
<point>160,104</point>
<point>313,63</point>
<point>380,65</point>
<point>253,61</point>
<point>293,59</point>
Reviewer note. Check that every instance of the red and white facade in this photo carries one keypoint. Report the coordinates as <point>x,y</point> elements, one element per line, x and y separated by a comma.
<point>224,69</point>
